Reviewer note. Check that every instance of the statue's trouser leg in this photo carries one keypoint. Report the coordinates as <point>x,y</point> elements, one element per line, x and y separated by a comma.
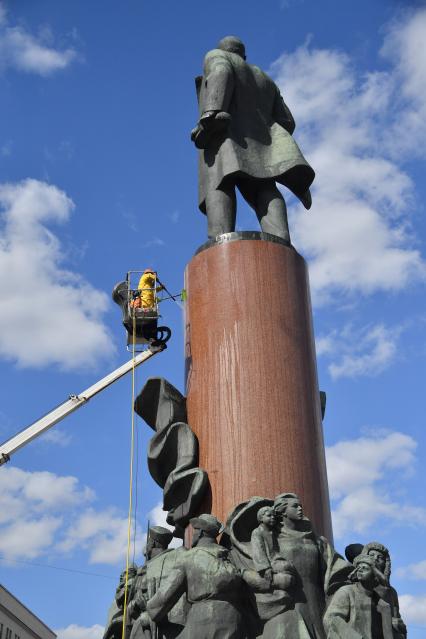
<point>267,201</point>
<point>221,205</point>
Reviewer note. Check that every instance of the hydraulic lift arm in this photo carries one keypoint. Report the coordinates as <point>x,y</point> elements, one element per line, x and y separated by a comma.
<point>71,404</point>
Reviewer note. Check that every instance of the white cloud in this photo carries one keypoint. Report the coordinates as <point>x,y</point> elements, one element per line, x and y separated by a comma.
<point>357,474</point>
<point>28,538</point>
<point>357,352</point>
<point>358,236</point>
<point>56,436</point>
<point>413,608</point>
<point>371,455</point>
<point>129,216</point>
<point>2,13</point>
<point>413,571</point>
<point>43,513</point>
<point>404,47</point>
<point>22,51</point>
<point>155,241</point>
<point>50,315</point>
<point>175,216</point>
<point>38,491</point>
<point>6,149</point>
<point>157,516</point>
<point>286,4</point>
<point>32,507</point>
<point>73,631</point>
<point>103,533</point>
<point>66,147</point>
<point>360,510</point>
<point>324,344</point>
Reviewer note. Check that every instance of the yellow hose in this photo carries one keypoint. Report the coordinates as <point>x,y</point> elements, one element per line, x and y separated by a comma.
<point>132,447</point>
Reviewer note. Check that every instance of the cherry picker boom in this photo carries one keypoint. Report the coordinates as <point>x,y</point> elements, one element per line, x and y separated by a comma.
<point>72,403</point>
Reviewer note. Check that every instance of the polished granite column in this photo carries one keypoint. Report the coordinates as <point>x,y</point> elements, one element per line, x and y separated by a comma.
<point>251,380</point>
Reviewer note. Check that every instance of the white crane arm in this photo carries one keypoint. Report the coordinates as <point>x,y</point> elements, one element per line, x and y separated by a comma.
<point>71,404</point>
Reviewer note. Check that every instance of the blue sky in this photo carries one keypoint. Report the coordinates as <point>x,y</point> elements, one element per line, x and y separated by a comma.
<point>98,176</point>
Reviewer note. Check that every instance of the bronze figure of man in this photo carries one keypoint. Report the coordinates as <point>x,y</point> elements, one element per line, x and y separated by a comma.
<point>245,139</point>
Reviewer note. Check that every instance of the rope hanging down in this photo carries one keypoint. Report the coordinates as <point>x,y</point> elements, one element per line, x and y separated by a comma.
<point>132,448</point>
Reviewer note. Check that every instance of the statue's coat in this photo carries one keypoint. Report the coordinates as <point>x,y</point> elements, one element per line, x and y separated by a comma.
<point>258,141</point>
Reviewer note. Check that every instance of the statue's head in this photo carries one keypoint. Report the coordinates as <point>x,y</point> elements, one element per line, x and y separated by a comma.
<point>157,541</point>
<point>288,506</point>
<point>205,526</point>
<point>381,557</point>
<point>266,516</point>
<point>131,572</point>
<point>233,45</point>
<point>366,571</point>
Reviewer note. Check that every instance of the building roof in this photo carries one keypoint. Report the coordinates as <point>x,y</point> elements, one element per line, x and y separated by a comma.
<point>24,615</point>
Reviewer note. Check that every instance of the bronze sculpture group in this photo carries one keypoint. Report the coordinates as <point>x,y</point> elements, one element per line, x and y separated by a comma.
<point>277,580</point>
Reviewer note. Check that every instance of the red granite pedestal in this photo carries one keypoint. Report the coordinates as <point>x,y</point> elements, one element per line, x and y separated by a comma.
<point>251,380</point>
